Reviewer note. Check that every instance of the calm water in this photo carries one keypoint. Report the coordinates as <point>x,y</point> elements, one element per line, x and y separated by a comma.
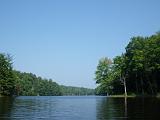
<point>79,108</point>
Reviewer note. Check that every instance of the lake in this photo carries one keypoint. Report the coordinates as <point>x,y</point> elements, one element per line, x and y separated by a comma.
<point>78,108</point>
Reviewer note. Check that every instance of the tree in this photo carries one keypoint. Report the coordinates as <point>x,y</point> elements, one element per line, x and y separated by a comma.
<point>69,90</point>
<point>103,69</point>
<point>138,69</point>
<point>29,84</point>
<point>103,74</point>
<point>135,62</point>
<point>7,77</point>
<point>119,69</point>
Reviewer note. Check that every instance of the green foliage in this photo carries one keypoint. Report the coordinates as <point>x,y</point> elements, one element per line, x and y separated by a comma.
<point>69,90</point>
<point>13,82</point>
<point>7,77</point>
<point>103,70</point>
<point>138,69</point>
<point>29,84</point>
<point>103,76</point>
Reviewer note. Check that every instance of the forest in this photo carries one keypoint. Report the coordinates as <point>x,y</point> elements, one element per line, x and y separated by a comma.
<point>18,83</point>
<point>70,90</point>
<point>134,72</point>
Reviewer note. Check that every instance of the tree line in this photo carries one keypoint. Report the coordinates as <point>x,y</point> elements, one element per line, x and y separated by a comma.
<point>70,90</point>
<point>137,71</point>
<point>14,82</point>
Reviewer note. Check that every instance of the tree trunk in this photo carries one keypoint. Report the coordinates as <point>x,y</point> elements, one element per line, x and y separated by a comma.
<point>155,83</point>
<point>150,87</point>
<point>136,84</point>
<point>142,86</point>
<point>149,82</point>
<point>125,88</point>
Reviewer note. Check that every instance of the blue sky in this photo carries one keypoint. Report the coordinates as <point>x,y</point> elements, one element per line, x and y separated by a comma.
<point>64,39</point>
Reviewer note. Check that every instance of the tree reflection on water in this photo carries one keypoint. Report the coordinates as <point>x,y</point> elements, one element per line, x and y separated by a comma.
<point>139,108</point>
<point>6,105</point>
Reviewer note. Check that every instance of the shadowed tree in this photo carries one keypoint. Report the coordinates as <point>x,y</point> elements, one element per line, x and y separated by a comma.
<point>7,77</point>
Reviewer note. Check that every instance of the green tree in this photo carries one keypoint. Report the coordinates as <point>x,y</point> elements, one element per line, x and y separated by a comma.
<point>70,90</point>
<point>29,84</point>
<point>138,69</point>
<point>120,72</point>
<point>7,77</point>
<point>103,75</point>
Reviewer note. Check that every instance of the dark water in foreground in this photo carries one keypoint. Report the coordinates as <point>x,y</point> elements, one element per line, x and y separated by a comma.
<point>79,108</point>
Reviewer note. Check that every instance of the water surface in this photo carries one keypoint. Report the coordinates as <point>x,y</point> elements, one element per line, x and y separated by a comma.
<point>78,108</point>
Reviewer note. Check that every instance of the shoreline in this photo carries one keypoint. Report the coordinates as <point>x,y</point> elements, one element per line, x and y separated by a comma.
<point>134,96</point>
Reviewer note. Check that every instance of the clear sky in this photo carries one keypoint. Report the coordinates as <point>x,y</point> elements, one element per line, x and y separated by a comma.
<point>64,39</point>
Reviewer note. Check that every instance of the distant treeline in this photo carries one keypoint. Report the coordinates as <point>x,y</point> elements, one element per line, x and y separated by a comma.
<point>14,82</point>
<point>69,90</point>
<point>28,84</point>
<point>137,71</point>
